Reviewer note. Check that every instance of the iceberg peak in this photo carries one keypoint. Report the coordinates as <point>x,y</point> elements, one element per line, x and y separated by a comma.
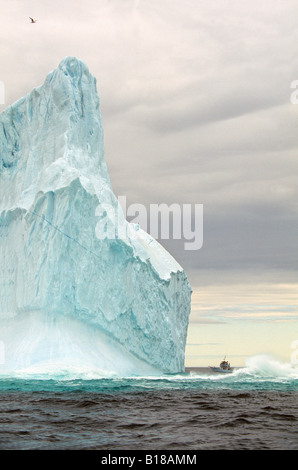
<point>74,81</point>
<point>52,136</point>
<point>73,66</point>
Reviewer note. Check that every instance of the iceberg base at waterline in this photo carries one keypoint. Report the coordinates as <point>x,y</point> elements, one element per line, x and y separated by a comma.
<point>61,347</point>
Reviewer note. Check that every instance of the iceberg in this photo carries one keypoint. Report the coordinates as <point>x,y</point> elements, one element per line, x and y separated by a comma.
<point>72,297</point>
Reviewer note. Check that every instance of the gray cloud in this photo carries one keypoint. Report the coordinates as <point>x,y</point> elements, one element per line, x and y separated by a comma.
<point>195,101</point>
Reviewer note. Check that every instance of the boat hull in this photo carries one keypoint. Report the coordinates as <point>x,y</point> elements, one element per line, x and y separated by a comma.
<point>221,371</point>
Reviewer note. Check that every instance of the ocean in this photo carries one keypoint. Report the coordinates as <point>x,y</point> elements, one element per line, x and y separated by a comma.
<point>254,408</point>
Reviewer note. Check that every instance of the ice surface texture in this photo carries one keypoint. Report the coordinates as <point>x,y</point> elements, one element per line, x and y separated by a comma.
<point>121,305</point>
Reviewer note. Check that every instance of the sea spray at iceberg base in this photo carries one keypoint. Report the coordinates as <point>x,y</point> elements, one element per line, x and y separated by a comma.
<point>70,299</point>
<point>65,348</point>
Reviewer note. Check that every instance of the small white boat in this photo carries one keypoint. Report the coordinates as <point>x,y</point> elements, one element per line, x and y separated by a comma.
<point>224,367</point>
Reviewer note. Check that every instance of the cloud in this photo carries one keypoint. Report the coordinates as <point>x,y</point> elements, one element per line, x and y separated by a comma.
<point>254,301</point>
<point>195,101</point>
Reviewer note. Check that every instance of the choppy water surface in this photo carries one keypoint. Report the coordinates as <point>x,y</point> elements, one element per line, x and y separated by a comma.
<point>256,407</point>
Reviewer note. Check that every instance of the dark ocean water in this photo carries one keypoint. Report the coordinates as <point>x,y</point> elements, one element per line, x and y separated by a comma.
<point>255,408</point>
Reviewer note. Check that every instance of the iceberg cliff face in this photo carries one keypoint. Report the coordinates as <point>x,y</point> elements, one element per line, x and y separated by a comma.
<point>67,295</point>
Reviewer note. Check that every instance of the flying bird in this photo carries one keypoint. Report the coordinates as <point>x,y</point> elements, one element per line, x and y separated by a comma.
<point>32,20</point>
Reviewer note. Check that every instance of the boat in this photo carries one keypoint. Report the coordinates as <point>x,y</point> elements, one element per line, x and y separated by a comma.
<point>224,367</point>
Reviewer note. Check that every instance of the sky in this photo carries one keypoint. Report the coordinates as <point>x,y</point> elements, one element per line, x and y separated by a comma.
<point>197,108</point>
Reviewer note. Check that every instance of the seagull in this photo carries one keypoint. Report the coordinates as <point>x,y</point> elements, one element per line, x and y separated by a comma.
<point>32,20</point>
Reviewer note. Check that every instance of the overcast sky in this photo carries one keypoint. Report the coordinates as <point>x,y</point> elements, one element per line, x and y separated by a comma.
<point>196,107</point>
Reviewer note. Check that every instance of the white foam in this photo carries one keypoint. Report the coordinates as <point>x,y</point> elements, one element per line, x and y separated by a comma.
<point>266,366</point>
<point>63,347</point>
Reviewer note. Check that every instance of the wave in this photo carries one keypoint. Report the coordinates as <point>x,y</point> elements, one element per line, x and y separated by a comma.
<point>263,366</point>
<point>261,372</point>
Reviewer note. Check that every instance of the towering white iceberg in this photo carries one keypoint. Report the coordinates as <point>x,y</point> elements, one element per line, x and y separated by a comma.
<point>67,295</point>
